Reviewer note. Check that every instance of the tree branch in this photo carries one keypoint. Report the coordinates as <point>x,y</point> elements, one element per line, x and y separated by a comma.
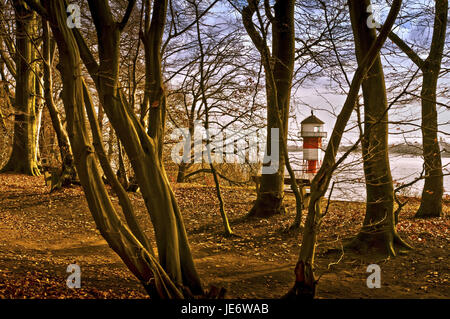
<point>127,14</point>
<point>406,49</point>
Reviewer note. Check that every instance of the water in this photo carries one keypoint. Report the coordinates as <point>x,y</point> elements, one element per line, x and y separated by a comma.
<point>349,177</point>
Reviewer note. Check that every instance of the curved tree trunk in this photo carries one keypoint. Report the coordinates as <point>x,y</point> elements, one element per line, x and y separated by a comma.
<point>138,259</point>
<point>23,157</point>
<point>142,150</point>
<point>68,172</point>
<point>305,282</point>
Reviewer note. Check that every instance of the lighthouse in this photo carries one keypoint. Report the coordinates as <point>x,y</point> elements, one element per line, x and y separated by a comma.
<point>312,134</point>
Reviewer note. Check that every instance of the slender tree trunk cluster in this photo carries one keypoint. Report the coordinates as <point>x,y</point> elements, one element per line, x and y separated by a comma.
<point>175,274</point>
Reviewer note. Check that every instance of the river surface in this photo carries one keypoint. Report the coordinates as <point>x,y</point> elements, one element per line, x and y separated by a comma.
<point>349,178</point>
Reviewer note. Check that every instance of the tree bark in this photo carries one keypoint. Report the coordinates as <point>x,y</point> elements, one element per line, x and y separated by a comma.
<point>271,192</point>
<point>378,231</point>
<point>433,190</point>
<point>68,172</point>
<point>181,172</point>
<point>23,158</point>
<point>305,282</point>
<point>154,95</point>
<point>203,83</point>
<point>431,203</point>
<point>138,259</point>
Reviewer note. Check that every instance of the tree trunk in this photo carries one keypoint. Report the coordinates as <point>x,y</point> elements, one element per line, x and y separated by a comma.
<point>203,84</point>
<point>110,143</point>
<point>23,157</point>
<point>142,150</point>
<point>122,172</point>
<point>378,231</point>
<point>181,172</point>
<point>431,203</point>
<point>305,282</point>
<point>433,190</point>
<point>183,167</point>
<point>138,259</point>
<point>154,95</point>
<point>68,173</point>
<point>39,107</point>
<point>271,192</point>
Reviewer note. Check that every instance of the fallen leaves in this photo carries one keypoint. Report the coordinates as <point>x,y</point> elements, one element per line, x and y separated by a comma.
<point>41,233</point>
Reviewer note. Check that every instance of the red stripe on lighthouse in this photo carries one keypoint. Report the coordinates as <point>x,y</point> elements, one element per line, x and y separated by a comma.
<point>312,167</point>
<point>312,142</point>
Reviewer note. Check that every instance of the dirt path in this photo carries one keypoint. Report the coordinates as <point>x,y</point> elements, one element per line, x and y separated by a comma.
<point>42,233</point>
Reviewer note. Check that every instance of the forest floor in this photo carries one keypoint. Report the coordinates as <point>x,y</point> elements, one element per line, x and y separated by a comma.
<point>42,233</point>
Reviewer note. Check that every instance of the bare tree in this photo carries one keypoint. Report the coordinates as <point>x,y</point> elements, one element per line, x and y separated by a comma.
<point>281,61</point>
<point>175,272</point>
<point>431,201</point>
<point>305,282</point>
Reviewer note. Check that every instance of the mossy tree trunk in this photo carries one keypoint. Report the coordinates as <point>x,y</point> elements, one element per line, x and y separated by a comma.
<point>24,157</point>
<point>281,62</point>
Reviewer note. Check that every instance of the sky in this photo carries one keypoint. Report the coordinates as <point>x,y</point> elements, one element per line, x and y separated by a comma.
<point>316,95</point>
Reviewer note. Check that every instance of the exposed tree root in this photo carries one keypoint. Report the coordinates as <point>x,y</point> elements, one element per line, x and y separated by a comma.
<point>267,205</point>
<point>60,178</point>
<point>154,292</point>
<point>305,284</point>
<point>384,242</point>
<point>429,210</point>
<point>231,235</point>
<point>20,167</point>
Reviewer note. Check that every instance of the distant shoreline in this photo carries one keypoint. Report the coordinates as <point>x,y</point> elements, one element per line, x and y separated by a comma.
<point>400,149</point>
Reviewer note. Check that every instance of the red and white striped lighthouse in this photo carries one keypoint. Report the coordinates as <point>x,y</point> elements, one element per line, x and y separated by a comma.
<point>312,134</point>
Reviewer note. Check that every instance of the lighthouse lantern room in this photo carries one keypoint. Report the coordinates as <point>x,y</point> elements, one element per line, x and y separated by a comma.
<point>312,134</point>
